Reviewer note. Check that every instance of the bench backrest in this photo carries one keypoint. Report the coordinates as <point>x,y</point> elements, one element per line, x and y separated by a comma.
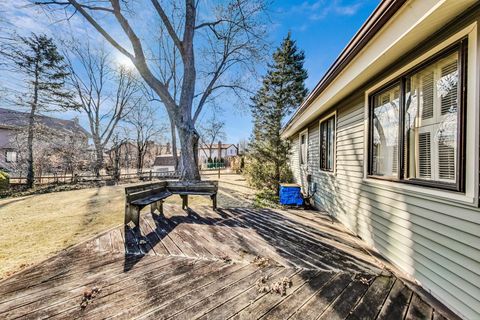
<point>146,186</point>
<point>144,194</point>
<point>150,189</point>
<point>202,186</point>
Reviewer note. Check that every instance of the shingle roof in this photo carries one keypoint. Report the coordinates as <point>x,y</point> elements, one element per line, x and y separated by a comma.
<point>15,119</point>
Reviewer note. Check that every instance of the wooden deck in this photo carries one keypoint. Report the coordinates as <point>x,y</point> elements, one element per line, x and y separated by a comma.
<point>215,265</point>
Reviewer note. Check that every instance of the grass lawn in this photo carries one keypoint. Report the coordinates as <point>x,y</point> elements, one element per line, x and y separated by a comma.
<point>36,227</point>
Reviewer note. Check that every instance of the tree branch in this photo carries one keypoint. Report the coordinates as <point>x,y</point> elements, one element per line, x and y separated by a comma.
<point>168,25</point>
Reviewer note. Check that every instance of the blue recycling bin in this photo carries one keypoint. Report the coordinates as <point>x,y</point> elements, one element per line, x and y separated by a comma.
<point>291,194</point>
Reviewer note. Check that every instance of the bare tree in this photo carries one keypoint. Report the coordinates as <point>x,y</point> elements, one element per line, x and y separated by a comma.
<point>106,94</point>
<point>43,71</point>
<point>55,150</point>
<point>151,96</point>
<point>115,154</point>
<point>232,40</point>
<point>211,132</point>
<point>146,129</point>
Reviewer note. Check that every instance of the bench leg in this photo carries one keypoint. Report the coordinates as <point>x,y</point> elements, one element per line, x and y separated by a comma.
<point>214,201</point>
<point>135,216</point>
<point>128,217</point>
<point>184,202</point>
<point>153,207</point>
<point>160,207</point>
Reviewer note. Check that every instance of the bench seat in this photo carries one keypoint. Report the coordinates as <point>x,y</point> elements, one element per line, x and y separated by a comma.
<point>153,194</point>
<point>194,193</point>
<point>151,199</point>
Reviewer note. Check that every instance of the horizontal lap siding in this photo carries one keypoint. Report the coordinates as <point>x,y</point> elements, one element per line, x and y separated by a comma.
<point>436,243</point>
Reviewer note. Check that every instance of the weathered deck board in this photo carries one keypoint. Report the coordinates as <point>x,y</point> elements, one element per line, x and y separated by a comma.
<point>290,304</point>
<point>323,298</point>
<point>201,263</point>
<point>397,302</point>
<point>372,301</point>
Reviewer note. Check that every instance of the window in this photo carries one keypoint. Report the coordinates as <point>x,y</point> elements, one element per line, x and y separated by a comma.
<point>385,124</point>
<point>303,147</point>
<point>416,124</point>
<point>11,156</point>
<point>327,143</point>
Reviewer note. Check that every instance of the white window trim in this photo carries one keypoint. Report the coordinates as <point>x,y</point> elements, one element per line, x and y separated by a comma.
<point>471,131</point>
<point>304,132</point>
<point>328,116</point>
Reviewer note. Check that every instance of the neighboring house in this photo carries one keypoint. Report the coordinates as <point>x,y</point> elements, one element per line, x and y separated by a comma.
<point>390,136</point>
<point>164,163</point>
<point>128,152</point>
<point>225,151</point>
<point>56,132</point>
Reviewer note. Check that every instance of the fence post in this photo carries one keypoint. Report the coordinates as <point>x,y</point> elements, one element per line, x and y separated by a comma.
<point>150,175</point>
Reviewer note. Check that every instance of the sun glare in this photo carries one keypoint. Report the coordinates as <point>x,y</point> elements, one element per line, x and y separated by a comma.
<point>124,62</point>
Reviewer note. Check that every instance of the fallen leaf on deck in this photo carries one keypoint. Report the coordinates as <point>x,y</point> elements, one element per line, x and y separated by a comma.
<point>261,262</point>
<point>89,295</point>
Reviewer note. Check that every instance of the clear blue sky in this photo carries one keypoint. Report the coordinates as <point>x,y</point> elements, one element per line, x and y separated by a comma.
<point>321,28</point>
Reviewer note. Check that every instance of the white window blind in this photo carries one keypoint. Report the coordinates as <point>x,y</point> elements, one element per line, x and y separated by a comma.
<point>431,121</point>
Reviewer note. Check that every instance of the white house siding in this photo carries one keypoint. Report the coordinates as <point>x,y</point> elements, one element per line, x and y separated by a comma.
<point>435,242</point>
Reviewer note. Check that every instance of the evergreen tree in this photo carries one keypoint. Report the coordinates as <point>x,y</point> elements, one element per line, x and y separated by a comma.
<point>283,89</point>
<point>44,72</point>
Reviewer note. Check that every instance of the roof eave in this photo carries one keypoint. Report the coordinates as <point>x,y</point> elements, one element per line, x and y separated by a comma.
<point>384,12</point>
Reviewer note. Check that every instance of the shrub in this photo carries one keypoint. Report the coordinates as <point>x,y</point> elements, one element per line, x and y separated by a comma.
<point>4,181</point>
<point>261,174</point>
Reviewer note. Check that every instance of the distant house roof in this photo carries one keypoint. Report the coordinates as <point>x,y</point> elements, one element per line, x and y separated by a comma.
<point>215,146</point>
<point>17,119</point>
<point>164,160</point>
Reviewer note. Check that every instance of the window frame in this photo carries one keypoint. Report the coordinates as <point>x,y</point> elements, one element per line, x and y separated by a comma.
<point>461,47</point>
<point>320,139</point>
<point>300,157</point>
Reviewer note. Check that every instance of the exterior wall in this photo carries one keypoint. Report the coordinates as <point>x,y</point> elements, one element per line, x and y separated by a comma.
<point>5,137</point>
<point>436,243</point>
<point>435,239</point>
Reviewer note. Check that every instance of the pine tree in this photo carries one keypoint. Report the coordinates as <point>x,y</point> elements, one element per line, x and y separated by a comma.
<point>44,72</point>
<point>283,89</point>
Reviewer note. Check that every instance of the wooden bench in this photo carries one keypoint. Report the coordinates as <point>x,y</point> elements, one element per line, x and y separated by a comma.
<point>153,194</point>
<point>138,197</point>
<point>197,188</point>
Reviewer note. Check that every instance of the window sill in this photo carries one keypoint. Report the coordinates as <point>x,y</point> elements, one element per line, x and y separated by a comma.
<point>426,193</point>
<point>330,173</point>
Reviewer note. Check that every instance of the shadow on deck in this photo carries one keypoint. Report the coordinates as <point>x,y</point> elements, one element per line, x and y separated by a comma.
<point>217,265</point>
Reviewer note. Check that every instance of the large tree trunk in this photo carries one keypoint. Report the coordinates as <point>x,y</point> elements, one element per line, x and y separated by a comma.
<point>140,158</point>
<point>98,157</point>
<point>189,148</point>
<point>174,142</point>
<point>30,169</point>
<point>31,128</point>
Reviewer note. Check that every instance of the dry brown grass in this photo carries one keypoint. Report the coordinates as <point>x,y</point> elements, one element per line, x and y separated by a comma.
<point>36,227</point>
